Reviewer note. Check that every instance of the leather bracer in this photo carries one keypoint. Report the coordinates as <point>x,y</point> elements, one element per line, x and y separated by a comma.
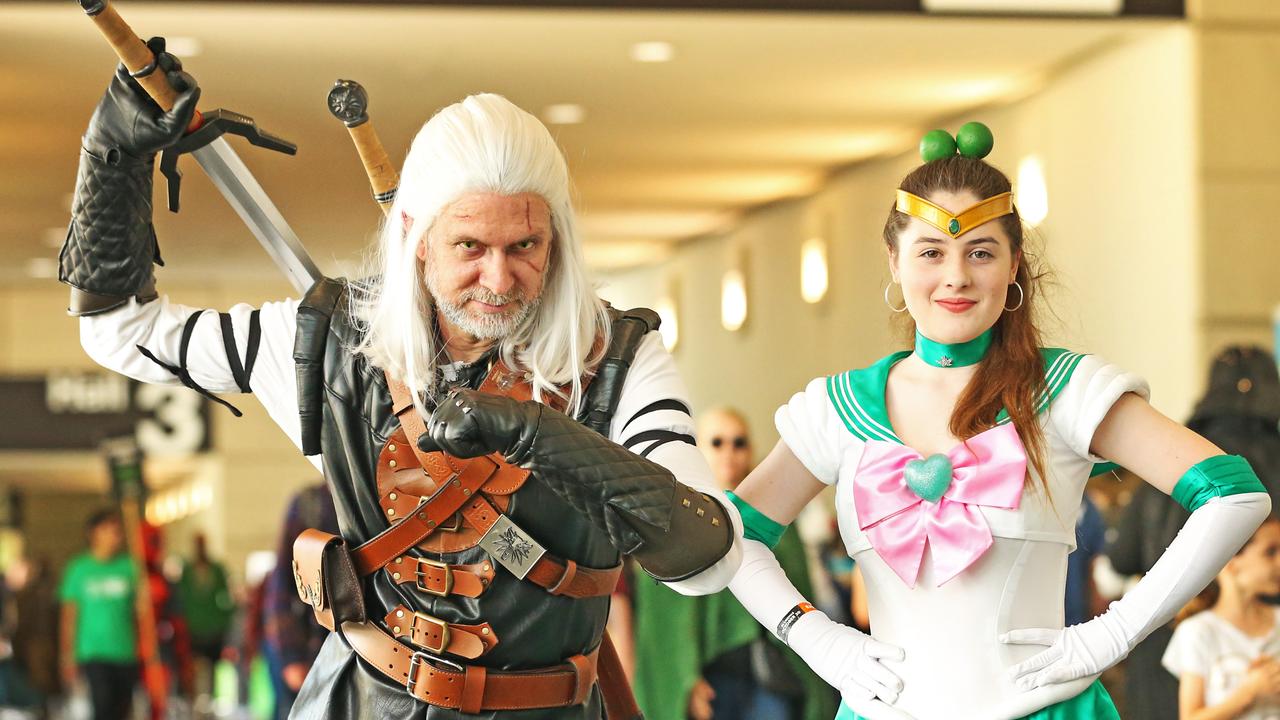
<point>110,243</point>
<point>671,529</point>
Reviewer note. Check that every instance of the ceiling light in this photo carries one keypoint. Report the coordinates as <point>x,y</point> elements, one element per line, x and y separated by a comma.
<point>813,270</point>
<point>670,326</point>
<point>733,300</point>
<point>42,267</point>
<point>654,51</point>
<point>183,46</point>
<point>564,114</point>
<point>53,237</point>
<point>1032,196</point>
<point>1026,7</point>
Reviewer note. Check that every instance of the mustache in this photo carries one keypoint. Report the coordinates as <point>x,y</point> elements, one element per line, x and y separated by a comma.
<point>489,297</point>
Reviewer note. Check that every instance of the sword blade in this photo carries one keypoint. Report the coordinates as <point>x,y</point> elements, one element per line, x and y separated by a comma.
<point>233,179</point>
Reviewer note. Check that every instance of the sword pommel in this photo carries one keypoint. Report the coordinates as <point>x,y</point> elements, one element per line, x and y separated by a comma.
<point>349,102</point>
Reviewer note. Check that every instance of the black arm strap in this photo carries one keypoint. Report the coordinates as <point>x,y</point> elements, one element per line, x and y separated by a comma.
<point>241,371</point>
<point>180,370</point>
<point>661,436</point>
<point>655,406</point>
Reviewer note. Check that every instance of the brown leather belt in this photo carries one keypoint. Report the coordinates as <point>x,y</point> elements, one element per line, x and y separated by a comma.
<point>557,576</point>
<point>437,636</point>
<point>471,688</point>
<point>441,579</point>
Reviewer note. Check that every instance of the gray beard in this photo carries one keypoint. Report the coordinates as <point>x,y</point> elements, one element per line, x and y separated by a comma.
<point>484,326</point>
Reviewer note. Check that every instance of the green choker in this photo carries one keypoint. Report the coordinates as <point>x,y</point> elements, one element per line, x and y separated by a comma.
<point>957,355</point>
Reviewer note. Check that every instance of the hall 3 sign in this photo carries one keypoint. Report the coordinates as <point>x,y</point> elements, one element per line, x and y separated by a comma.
<point>77,410</point>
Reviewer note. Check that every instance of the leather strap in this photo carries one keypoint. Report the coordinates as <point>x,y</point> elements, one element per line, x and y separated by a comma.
<point>430,515</point>
<point>433,683</point>
<point>441,579</point>
<point>557,576</point>
<point>437,636</point>
<point>619,701</point>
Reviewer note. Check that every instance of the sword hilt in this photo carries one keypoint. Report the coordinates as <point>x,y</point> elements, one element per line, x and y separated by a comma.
<point>136,56</point>
<point>349,102</point>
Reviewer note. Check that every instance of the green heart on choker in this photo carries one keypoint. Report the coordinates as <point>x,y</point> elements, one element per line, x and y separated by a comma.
<point>929,478</point>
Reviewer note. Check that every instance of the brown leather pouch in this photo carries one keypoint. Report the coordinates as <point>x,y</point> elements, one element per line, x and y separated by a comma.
<point>326,578</point>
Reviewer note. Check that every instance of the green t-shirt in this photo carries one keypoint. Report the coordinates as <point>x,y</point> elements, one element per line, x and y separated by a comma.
<point>103,593</point>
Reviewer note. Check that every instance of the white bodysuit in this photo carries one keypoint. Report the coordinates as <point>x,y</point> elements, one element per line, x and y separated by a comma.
<point>955,666</point>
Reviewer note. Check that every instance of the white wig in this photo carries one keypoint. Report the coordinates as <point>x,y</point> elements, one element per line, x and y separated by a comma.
<point>482,144</point>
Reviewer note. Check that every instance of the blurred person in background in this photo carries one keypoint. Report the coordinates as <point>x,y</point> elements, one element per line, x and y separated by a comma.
<point>291,636</point>
<point>1226,654</point>
<point>1080,598</point>
<point>99,595</point>
<point>208,608</point>
<point>1239,412</point>
<point>35,648</point>
<point>730,669</point>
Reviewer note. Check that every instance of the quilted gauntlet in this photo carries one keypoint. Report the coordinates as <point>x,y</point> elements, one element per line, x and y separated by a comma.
<point>110,243</point>
<point>672,530</point>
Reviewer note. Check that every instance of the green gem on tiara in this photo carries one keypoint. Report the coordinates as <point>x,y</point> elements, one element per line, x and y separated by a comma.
<point>953,227</point>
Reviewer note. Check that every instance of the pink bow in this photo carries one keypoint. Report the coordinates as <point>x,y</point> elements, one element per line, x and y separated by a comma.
<point>988,469</point>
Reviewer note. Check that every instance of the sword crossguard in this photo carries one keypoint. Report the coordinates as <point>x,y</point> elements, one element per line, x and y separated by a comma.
<point>216,123</point>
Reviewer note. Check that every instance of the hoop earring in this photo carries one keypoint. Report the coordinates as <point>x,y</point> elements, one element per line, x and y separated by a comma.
<point>1021,297</point>
<point>886,299</point>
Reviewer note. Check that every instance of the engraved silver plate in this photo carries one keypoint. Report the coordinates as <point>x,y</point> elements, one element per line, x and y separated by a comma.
<point>512,547</point>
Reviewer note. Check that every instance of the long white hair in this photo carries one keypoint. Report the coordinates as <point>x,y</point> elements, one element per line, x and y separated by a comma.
<point>482,144</point>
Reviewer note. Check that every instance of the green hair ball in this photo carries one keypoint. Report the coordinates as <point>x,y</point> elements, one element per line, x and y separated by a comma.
<point>937,144</point>
<point>975,140</point>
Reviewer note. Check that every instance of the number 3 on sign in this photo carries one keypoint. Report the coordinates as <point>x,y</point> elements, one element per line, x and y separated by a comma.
<point>175,427</point>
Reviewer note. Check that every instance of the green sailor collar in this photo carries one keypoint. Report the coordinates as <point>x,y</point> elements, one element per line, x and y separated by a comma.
<point>953,355</point>
<point>858,395</point>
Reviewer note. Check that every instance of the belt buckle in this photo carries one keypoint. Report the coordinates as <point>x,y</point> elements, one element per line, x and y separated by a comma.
<point>448,577</point>
<point>417,659</point>
<point>437,622</point>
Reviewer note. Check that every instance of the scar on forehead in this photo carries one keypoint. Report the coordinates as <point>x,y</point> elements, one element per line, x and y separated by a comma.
<point>528,221</point>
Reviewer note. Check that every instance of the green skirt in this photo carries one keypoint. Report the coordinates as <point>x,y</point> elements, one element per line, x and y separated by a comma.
<point>1092,704</point>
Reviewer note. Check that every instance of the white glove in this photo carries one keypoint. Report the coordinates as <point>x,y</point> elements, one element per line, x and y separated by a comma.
<point>849,660</point>
<point>1210,537</point>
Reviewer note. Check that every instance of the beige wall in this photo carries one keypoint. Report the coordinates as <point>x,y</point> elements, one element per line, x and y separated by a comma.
<point>1116,135</point>
<point>1239,174</point>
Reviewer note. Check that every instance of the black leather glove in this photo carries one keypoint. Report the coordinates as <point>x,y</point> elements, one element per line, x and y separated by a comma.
<point>110,243</point>
<point>468,423</point>
<point>128,126</point>
<point>672,530</point>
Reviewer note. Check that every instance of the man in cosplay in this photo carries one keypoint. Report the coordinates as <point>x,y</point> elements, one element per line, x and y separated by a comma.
<point>495,437</point>
<point>959,467</point>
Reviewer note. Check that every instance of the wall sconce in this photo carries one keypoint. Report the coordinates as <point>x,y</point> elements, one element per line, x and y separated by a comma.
<point>670,327</point>
<point>733,300</point>
<point>1032,196</point>
<point>813,270</point>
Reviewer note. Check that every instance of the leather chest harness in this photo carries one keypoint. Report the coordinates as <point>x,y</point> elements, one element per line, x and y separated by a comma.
<point>442,504</point>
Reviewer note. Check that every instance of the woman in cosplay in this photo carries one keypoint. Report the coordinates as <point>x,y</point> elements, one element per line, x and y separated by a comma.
<point>959,468</point>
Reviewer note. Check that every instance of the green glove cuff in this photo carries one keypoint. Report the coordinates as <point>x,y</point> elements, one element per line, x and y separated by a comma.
<point>755,525</point>
<point>1217,476</point>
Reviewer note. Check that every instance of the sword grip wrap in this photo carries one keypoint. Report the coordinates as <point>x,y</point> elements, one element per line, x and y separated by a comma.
<point>383,177</point>
<point>137,57</point>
